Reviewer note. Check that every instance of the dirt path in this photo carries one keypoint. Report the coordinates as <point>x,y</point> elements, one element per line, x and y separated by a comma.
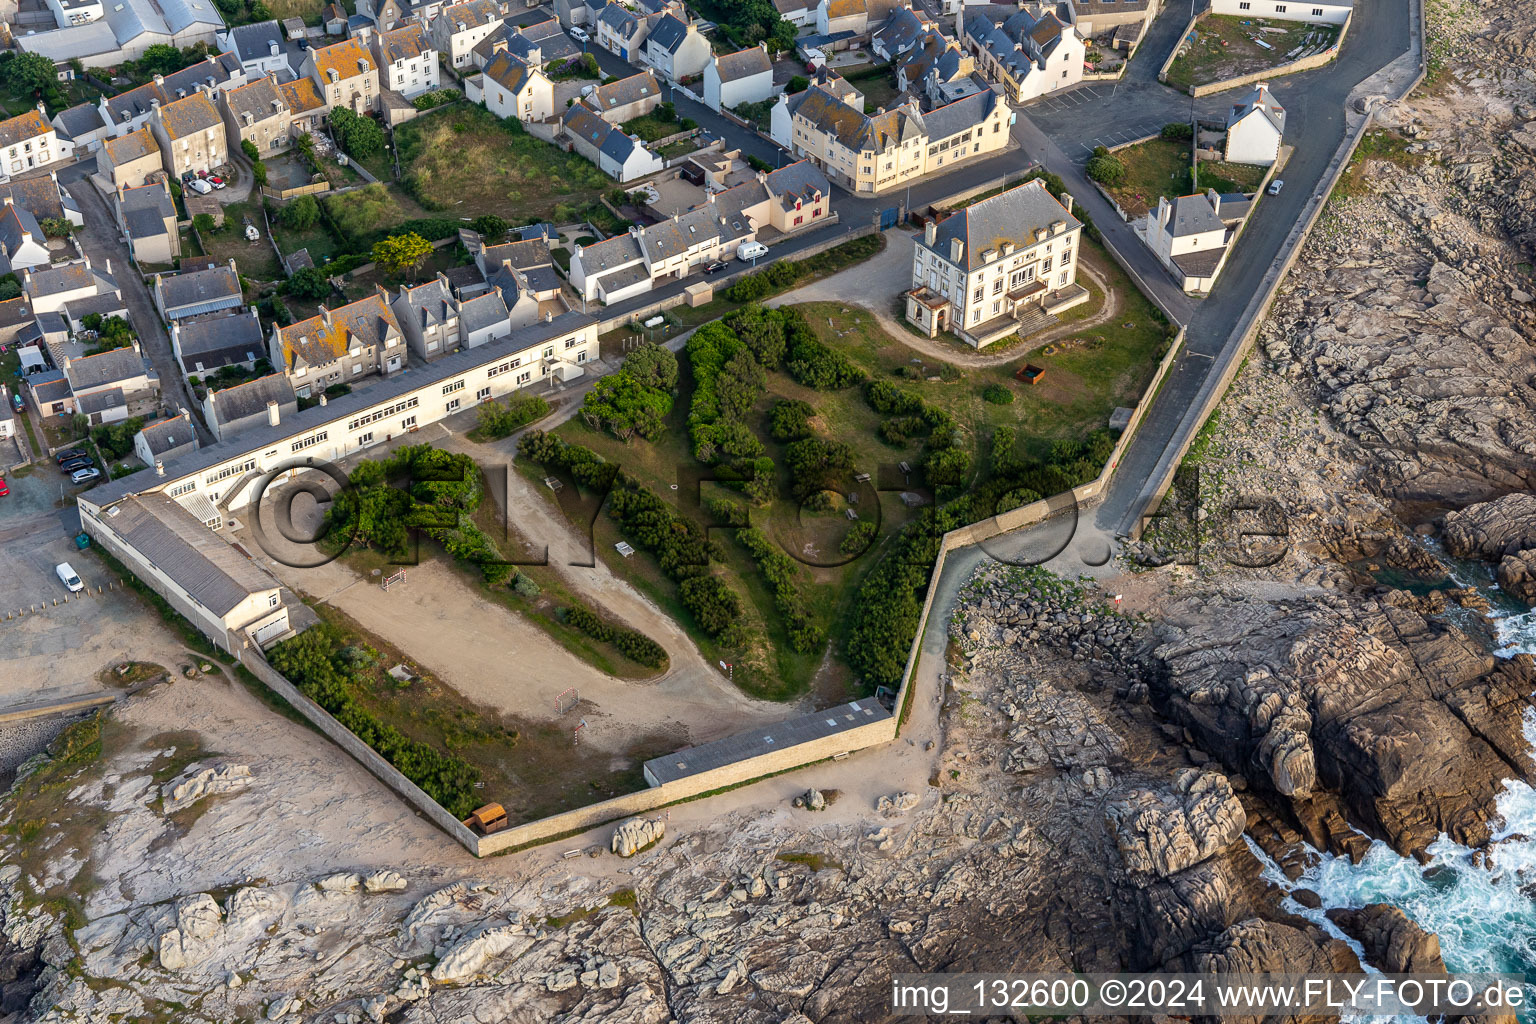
<point>873,285</point>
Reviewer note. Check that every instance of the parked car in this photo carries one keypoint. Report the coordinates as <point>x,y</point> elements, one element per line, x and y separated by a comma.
<point>578,33</point>
<point>216,181</point>
<point>18,403</point>
<point>69,577</point>
<point>303,44</point>
<point>82,462</point>
<point>82,476</point>
<point>69,453</point>
<point>200,186</point>
<point>4,490</point>
<point>715,267</point>
<point>1275,187</point>
<point>749,251</point>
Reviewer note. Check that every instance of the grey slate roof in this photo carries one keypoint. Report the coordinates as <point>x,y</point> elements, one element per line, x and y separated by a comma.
<point>542,279</point>
<point>101,401</point>
<point>900,32</point>
<point>49,386</point>
<point>733,67</point>
<point>1263,101</point>
<point>624,92</point>
<point>800,180</point>
<point>507,71</point>
<point>1192,215</point>
<point>15,224</point>
<point>38,196</point>
<point>254,42</point>
<point>954,118</point>
<point>1012,216</point>
<point>618,146</point>
<point>668,34</point>
<point>217,341</point>
<point>78,121</point>
<point>168,434</point>
<point>624,277</point>
<point>54,280</point>
<point>261,438</point>
<point>145,223</point>
<point>430,303</point>
<point>120,364</point>
<point>196,559</point>
<point>220,284</point>
<point>251,398</point>
<point>764,740</point>
<point>482,311</point>
<point>260,99</point>
<point>610,253</point>
<point>105,303</point>
<point>519,255</point>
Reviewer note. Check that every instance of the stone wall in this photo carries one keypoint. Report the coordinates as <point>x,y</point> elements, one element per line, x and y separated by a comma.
<point>1317,60</point>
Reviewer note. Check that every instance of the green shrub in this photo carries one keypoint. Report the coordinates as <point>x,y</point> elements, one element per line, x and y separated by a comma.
<point>634,645</point>
<point>790,420</point>
<point>727,380</point>
<point>858,538</point>
<point>1178,131</point>
<point>1106,170</point>
<point>782,575</point>
<point>313,662</point>
<point>525,586</point>
<point>498,420</point>
<point>997,394</point>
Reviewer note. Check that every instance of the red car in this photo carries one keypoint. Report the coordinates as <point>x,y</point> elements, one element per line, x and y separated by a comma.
<point>4,490</point>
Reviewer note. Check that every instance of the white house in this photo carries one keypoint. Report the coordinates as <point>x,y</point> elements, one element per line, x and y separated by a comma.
<point>27,142</point>
<point>1317,12</point>
<point>1192,235</point>
<point>1031,54</point>
<point>676,49</point>
<point>22,242</point>
<point>984,270</point>
<point>510,88</point>
<point>1255,127</point>
<point>128,28</point>
<point>407,61</point>
<point>736,78</point>
<point>622,157</point>
<point>459,27</point>
<point>259,48</point>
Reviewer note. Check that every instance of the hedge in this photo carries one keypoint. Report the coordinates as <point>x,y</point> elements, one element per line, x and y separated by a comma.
<point>782,575</point>
<point>631,643</point>
<point>313,662</point>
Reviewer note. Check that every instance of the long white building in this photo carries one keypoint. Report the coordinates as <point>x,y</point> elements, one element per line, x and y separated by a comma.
<point>208,484</point>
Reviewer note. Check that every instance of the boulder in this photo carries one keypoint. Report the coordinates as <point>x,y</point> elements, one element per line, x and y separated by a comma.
<point>815,800</point>
<point>1491,530</point>
<point>343,881</point>
<point>383,880</point>
<point>897,803</point>
<point>1392,943</point>
<point>637,834</point>
<point>199,782</point>
<point>467,956</point>
<point>1163,833</point>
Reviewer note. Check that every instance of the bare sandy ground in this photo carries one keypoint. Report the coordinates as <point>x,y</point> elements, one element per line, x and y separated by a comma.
<point>496,657</point>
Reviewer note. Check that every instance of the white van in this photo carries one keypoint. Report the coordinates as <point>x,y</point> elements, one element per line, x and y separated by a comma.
<point>578,33</point>
<point>68,577</point>
<point>749,251</point>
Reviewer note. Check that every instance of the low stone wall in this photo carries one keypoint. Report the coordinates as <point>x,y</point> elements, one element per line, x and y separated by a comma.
<point>1317,60</point>
<point>1001,181</point>
<point>1028,515</point>
<point>752,769</point>
<point>366,755</point>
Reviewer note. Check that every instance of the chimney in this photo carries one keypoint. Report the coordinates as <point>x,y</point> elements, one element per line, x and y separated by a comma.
<point>1164,208</point>
<point>272,413</point>
<point>1215,198</point>
<point>159,468</point>
<point>930,232</point>
<point>1067,202</point>
<point>956,250</point>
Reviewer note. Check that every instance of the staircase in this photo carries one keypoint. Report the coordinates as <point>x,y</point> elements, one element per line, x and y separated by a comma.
<point>1033,320</point>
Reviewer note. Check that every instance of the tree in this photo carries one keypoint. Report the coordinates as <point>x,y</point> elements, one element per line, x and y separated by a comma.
<point>621,404</point>
<point>57,227</point>
<point>301,214</point>
<point>1106,170</point>
<point>398,254</point>
<point>249,149</point>
<point>32,74</point>
<point>360,136</point>
<point>491,226</point>
<point>259,173</point>
<point>161,59</point>
<point>799,83</point>
<point>309,283</point>
<point>203,222</point>
<point>655,366</point>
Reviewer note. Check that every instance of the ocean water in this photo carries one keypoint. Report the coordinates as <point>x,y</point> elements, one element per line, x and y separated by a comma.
<point>1484,921</point>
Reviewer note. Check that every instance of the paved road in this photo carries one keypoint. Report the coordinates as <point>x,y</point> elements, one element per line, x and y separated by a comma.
<point>1315,126</point>
<point>102,241</point>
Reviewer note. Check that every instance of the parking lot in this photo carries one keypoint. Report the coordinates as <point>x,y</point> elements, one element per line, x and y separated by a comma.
<point>1111,134</point>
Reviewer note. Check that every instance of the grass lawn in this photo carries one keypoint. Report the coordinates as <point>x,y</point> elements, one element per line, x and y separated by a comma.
<point>878,92</point>
<point>529,767</point>
<point>464,156</point>
<point>1227,45</point>
<point>1227,178</point>
<point>1088,374</point>
<point>317,238</point>
<point>679,148</point>
<point>1157,167</point>
<point>650,127</point>
<point>359,214</point>
<point>256,259</point>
